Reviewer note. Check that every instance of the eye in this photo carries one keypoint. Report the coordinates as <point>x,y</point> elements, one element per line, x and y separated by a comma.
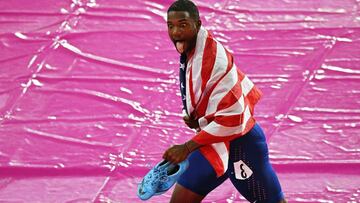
<point>170,26</point>
<point>183,25</point>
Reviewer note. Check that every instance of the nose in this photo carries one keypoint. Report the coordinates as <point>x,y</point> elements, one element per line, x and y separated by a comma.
<point>176,32</point>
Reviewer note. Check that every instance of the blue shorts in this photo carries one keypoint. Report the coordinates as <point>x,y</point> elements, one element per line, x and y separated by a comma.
<point>249,170</point>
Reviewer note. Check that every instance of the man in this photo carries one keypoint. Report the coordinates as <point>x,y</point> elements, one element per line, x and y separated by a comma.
<point>218,102</point>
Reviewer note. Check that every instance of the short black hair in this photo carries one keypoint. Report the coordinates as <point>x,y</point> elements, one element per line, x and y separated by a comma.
<point>185,5</point>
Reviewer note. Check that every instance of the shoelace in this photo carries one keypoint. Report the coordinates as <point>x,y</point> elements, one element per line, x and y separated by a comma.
<point>160,175</point>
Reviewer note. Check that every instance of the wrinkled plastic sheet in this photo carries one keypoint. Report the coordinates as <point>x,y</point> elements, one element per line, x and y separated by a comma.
<point>89,95</point>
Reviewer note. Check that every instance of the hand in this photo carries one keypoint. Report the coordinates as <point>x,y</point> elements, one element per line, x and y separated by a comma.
<point>176,153</point>
<point>191,122</point>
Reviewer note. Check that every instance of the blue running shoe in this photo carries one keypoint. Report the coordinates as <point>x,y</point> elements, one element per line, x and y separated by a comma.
<point>160,179</point>
<point>174,172</point>
<point>147,188</point>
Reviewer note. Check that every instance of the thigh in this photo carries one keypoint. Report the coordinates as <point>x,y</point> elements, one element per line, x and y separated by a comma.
<point>184,195</point>
<point>250,170</point>
<point>200,177</point>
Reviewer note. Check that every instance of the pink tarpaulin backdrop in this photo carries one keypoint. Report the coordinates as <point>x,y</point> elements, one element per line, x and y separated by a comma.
<point>89,95</point>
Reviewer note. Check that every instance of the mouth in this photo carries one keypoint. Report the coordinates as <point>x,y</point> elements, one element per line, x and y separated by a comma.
<point>180,45</point>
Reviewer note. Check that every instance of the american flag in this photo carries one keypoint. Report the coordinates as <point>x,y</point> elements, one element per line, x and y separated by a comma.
<point>220,96</point>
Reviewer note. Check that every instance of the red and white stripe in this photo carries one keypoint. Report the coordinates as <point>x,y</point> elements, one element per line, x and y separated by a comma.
<point>220,96</point>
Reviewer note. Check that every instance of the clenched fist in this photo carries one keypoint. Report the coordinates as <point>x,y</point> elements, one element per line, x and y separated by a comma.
<point>191,122</point>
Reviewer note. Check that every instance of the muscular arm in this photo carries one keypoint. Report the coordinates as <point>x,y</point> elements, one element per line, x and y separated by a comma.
<point>178,153</point>
<point>192,146</point>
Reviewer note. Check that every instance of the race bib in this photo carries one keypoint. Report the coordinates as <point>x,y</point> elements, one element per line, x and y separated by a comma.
<point>242,171</point>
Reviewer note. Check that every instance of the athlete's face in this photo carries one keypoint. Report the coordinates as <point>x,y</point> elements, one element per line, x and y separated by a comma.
<point>182,30</point>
